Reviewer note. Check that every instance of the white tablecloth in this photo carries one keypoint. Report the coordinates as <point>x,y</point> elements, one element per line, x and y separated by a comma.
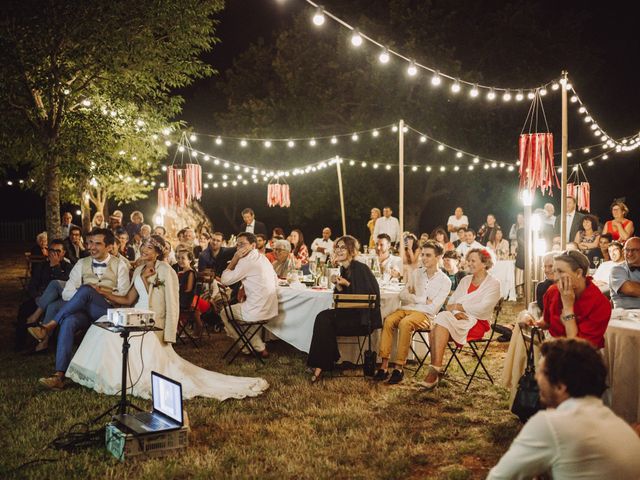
<point>505,272</point>
<point>297,312</point>
<point>622,356</point>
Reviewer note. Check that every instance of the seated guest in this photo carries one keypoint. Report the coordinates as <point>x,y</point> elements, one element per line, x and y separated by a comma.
<point>259,282</point>
<point>187,280</point>
<point>322,247</point>
<point>424,237</point>
<point>82,307</point>
<point>460,237</point>
<point>389,264</point>
<point>440,236</point>
<point>261,244</point>
<point>450,267</point>
<point>125,249</point>
<point>56,268</point>
<point>354,278</point>
<point>215,257</point>
<point>601,277</point>
<point>74,246</point>
<point>498,244</point>
<point>299,249</point>
<point>133,227</point>
<point>588,237</point>
<point>115,223</point>
<point>624,281</point>
<point>284,261</point>
<point>425,293</point>
<point>620,227</point>
<point>277,234</point>
<point>39,250</point>
<point>577,436</point>
<point>98,221</point>
<point>574,306</point>
<point>145,232</point>
<point>410,254</point>
<point>485,231</point>
<point>469,243</point>
<point>467,314</point>
<point>605,241</point>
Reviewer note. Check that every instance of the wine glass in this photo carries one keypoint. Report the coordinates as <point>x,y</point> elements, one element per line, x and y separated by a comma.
<point>313,269</point>
<point>596,261</point>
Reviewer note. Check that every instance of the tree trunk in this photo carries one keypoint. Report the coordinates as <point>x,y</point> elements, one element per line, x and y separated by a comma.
<point>52,196</point>
<point>85,206</point>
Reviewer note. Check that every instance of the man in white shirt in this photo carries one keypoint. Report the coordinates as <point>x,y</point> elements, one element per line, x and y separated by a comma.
<point>322,247</point>
<point>422,299</point>
<point>468,243</point>
<point>389,264</point>
<point>577,436</point>
<point>624,281</point>
<point>457,221</point>
<point>77,312</point>
<point>603,272</point>
<point>259,282</point>
<point>388,225</point>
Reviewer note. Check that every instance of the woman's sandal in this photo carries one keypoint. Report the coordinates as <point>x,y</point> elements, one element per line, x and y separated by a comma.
<point>315,378</point>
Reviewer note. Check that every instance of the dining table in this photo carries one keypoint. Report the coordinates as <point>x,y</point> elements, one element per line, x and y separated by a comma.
<point>505,272</point>
<point>297,309</point>
<point>622,358</point>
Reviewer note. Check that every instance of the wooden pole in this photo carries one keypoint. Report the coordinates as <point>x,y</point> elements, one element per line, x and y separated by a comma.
<point>344,219</point>
<point>401,174</point>
<point>527,200</point>
<point>563,184</point>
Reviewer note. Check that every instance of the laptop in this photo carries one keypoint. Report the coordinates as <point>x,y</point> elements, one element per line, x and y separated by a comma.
<point>167,412</point>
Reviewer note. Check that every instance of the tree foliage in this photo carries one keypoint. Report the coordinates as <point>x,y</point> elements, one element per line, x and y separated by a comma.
<point>123,56</point>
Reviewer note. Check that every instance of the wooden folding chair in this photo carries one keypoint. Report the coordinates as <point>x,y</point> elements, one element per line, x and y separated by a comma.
<point>477,351</point>
<point>188,317</point>
<point>357,302</point>
<point>421,332</point>
<point>244,329</point>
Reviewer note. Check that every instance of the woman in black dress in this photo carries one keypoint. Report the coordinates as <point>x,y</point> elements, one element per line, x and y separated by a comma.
<point>355,278</point>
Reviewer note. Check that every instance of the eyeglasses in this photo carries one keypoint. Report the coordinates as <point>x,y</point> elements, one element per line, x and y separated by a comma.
<point>339,247</point>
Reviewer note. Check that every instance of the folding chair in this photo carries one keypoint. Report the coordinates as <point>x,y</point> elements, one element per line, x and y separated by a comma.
<point>358,302</point>
<point>242,329</point>
<point>475,346</point>
<point>421,332</point>
<point>188,317</point>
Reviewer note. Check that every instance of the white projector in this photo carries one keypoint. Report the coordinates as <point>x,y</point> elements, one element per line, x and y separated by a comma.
<point>130,317</point>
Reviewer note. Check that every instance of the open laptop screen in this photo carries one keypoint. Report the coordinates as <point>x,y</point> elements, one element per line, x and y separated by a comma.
<point>167,397</point>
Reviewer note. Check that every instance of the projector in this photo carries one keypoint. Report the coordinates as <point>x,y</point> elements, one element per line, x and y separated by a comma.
<point>130,317</point>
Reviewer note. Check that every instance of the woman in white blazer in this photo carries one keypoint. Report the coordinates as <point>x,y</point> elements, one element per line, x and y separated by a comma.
<point>468,310</point>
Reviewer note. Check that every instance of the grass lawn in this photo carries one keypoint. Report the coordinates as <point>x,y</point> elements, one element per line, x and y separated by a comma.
<point>340,428</point>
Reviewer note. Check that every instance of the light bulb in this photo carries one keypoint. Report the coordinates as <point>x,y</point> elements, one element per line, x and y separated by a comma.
<point>428,169</point>
<point>519,96</point>
<point>470,167</point>
<point>354,137</point>
<point>605,156</point>
<point>384,56</point>
<point>531,95</point>
<point>166,131</point>
<point>582,109</point>
<point>356,38</point>
<point>586,150</point>
<point>352,163</point>
<point>206,158</point>
<point>510,168</point>
<point>486,166</point>
<point>456,168</point>
<point>569,154</point>
<point>267,144</point>
<point>388,167</point>
<point>476,160</point>
<point>226,165</point>
<point>442,168</point>
<point>209,176</point>
<point>375,165</point>
<point>474,92</point>
<point>194,153</point>
<point>436,80</point>
<point>405,129</point>
<point>543,91</point>
<point>86,102</point>
<point>507,96</point>
<point>218,141</point>
<point>414,169</point>
<point>590,163</point>
<point>412,70</point>
<point>555,86</point>
<point>192,137</point>
<point>441,147</point>
<point>167,143</point>
<point>181,148</point>
<point>459,155</point>
<point>334,140</point>
<point>375,133</point>
<point>455,87</point>
<point>423,139</point>
<point>574,99</point>
<point>313,142</point>
<point>363,164</point>
<point>243,143</point>
<point>318,17</point>
<point>491,95</point>
<point>291,144</point>
<point>587,119</point>
<point>394,129</point>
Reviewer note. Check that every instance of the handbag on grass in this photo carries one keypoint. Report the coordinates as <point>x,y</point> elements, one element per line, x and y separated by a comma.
<point>527,400</point>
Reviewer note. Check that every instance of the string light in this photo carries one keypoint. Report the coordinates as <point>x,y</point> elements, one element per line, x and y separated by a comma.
<point>318,18</point>
<point>384,57</point>
<point>435,79</point>
<point>412,70</point>
<point>243,143</point>
<point>455,86</point>
<point>356,39</point>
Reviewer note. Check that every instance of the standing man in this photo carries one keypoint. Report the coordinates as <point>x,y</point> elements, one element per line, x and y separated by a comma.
<point>389,225</point>
<point>457,221</point>
<point>101,270</point>
<point>422,299</point>
<point>577,436</point>
<point>250,224</point>
<point>573,221</point>
<point>74,248</point>
<point>215,257</point>
<point>259,282</point>
<point>484,233</point>
<point>322,247</point>
<point>66,224</point>
<point>624,280</point>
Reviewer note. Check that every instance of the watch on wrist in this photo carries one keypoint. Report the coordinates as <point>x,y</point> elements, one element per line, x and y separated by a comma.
<point>566,318</point>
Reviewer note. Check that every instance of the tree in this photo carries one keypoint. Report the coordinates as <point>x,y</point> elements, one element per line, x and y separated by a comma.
<point>56,55</point>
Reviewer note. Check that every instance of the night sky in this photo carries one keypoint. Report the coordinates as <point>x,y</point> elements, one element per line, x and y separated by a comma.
<point>611,92</point>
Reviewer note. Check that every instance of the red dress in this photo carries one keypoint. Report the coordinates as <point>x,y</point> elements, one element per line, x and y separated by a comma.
<point>608,228</point>
<point>592,310</point>
<point>481,326</point>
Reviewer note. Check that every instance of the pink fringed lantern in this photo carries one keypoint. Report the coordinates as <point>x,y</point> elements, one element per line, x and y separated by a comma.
<point>582,193</point>
<point>185,184</point>
<point>278,194</point>
<point>536,162</point>
<point>163,198</point>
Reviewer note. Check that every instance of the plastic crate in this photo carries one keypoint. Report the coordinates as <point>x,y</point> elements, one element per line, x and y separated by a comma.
<point>124,446</point>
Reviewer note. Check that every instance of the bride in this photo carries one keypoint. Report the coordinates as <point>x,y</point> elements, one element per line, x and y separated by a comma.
<point>98,362</point>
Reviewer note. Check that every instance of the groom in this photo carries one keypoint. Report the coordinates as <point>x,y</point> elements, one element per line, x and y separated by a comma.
<point>83,304</point>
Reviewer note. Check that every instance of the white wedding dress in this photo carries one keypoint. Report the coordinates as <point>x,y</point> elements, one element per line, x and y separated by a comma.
<point>98,365</point>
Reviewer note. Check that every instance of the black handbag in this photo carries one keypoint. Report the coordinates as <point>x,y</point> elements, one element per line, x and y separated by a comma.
<point>527,400</point>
